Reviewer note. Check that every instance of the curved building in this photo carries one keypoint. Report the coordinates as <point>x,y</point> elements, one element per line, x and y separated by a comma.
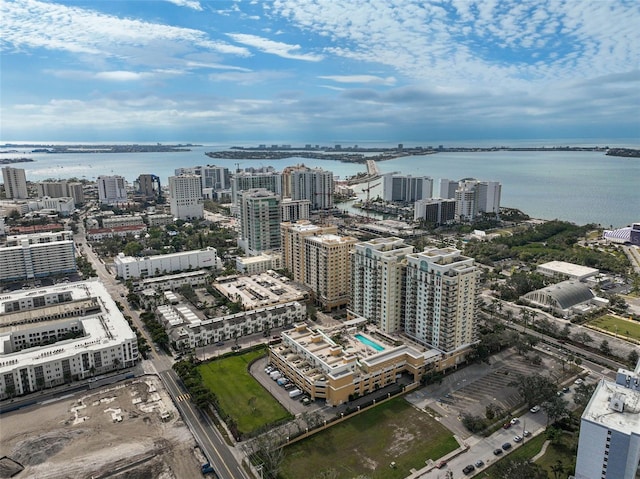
<point>561,297</point>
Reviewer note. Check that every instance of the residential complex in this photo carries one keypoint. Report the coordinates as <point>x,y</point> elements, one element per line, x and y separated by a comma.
<point>37,256</point>
<point>407,188</point>
<point>440,298</point>
<point>609,443</point>
<point>214,177</point>
<point>61,333</point>
<point>475,197</point>
<point>149,266</point>
<point>313,184</point>
<point>293,245</point>
<point>15,183</point>
<point>378,280</point>
<point>60,189</point>
<point>185,196</point>
<point>243,181</point>
<point>258,264</point>
<point>260,219</point>
<point>437,211</point>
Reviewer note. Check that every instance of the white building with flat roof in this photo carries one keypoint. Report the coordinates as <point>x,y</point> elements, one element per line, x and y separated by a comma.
<point>609,443</point>
<point>57,334</point>
<point>35,256</point>
<point>562,269</point>
<point>148,266</point>
<point>185,196</point>
<point>258,264</point>
<point>112,189</point>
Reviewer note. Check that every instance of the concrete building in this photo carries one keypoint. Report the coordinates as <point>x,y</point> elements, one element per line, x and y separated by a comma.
<point>185,195</point>
<point>564,270</point>
<point>160,219</point>
<point>122,220</point>
<point>609,443</point>
<point>99,234</point>
<point>63,206</point>
<point>440,299</point>
<point>406,188</point>
<point>474,198</point>
<point>15,183</point>
<point>148,186</point>
<point>437,211</point>
<point>338,372</point>
<point>58,334</point>
<point>448,188</point>
<point>245,180</point>
<point>259,221</point>
<point>60,189</point>
<point>112,189</point>
<point>565,298</point>
<point>173,281</point>
<point>327,269</point>
<point>378,271</point>
<point>215,177</point>
<point>36,256</point>
<point>258,264</point>
<point>629,234</point>
<point>313,184</point>
<point>293,245</point>
<point>149,266</point>
<point>295,210</point>
<point>40,238</point>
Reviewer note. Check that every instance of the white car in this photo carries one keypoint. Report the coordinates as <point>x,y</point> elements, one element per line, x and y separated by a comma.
<point>578,381</point>
<point>515,421</point>
<point>517,439</point>
<point>535,409</point>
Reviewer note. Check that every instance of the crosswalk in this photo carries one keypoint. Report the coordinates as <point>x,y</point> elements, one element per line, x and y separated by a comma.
<point>183,397</point>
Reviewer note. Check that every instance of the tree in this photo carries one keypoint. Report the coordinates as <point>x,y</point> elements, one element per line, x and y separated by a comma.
<point>583,337</point>
<point>267,450</point>
<point>557,469</point>
<point>605,348</point>
<point>556,409</point>
<point>632,358</point>
<point>535,389</point>
<point>582,393</point>
<point>519,468</point>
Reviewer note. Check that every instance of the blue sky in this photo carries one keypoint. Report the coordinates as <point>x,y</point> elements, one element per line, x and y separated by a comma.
<point>319,70</point>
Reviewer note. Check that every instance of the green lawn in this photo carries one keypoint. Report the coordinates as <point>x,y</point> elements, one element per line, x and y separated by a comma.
<point>367,444</point>
<point>624,327</point>
<point>239,394</point>
<point>527,450</point>
<point>563,452</point>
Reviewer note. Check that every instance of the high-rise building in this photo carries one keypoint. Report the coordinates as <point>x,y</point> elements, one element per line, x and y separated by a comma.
<point>148,186</point>
<point>475,197</point>
<point>406,188</point>
<point>245,180</point>
<point>448,188</point>
<point>61,189</point>
<point>295,210</point>
<point>293,245</point>
<point>440,298</point>
<point>215,177</point>
<point>112,189</point>
<point>377,281</point>
<point>15,183</point>
<point>185,193</point>
<point>609,443</point>
<point>327,270</point>
<point>437,211</point>
<point>315,185</point>
<point>259,221</point>
<point>37,256</point>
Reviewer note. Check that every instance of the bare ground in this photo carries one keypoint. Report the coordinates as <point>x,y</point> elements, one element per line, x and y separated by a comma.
<point>127,431</point>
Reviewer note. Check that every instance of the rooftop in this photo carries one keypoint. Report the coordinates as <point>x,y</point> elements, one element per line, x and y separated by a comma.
<point>599,409</point>
<point>570,269</point>
<point>259,290</point>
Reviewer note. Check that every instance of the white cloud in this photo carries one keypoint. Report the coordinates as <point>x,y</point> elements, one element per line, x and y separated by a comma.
<point>248,78</point>
<point>366,79</point>
<point>120,76</point>
<point>193,4</point>
<point>280,49</point>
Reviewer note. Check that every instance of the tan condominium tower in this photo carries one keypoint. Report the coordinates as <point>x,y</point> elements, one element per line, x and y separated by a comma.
<point>327,270</point>
<point>292,238</point>
<point>440,298</point>
<point>377,281</point>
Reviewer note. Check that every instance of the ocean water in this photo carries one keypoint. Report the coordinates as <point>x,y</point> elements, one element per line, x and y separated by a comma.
<point>581,187</point>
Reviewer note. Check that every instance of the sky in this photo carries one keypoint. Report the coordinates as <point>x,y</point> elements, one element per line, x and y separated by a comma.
<point>309,71</point>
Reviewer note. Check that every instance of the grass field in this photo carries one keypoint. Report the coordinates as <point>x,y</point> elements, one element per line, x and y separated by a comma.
<point>617,326</point>
<point>367,444</point>
<point>239,394</point>
<point>562,452</point>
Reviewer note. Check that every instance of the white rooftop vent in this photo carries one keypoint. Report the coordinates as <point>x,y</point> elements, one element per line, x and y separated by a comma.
<point>617,403</point>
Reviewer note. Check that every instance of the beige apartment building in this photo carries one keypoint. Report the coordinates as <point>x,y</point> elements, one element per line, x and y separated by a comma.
<point>293,245</point>
<point>327,269</point>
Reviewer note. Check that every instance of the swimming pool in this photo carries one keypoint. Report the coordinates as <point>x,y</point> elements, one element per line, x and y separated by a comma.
<point>366,341</point>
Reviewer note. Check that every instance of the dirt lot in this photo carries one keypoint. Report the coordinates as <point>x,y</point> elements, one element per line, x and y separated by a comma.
<point>131,430</point>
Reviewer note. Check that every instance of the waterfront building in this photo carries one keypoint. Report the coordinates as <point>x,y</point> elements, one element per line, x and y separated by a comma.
<point>327,269</point>
<point>629,234</point>
<point>37,256</point>
<point>437,211</point>
<point>609,441</point>
<point>185,193</point>
<point>441,294</point>
<point>149,266</point>
<point>362,362</point>
<point>406,188</point>
<point>313,184</point>
<point>258,264</point>
<point>60,189</point>
<point>215,177</point>
<point>448,188</point>
<point>58,334</point>
<point>259,221</point>
<point>15,183</point>
<point>295,210</point>
<point>293,245</point>
<point>474,198</point>
<point>112,189</point>
<point>377,281</point>
<point>248,180</point>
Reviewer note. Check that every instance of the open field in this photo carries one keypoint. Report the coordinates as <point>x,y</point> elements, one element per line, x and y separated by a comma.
<point>615,325</point>
<point>239,394</point>
<point>367,444</point>
<point>129,430</point>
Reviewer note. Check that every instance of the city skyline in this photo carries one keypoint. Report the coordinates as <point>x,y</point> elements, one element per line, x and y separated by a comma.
<point>318,71</point>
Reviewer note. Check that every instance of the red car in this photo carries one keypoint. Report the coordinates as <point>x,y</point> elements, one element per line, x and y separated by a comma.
<point>441,464</point>
<point>507,425</point>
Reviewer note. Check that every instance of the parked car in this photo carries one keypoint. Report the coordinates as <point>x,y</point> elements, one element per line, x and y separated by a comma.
<point>441,464</point>
<point>479,463</point>
<point>507,425</point>
<point>514,421</point>
<point>526,433</point>
<point>535,409</point>
<point>469,469</point>
<point>506,446</point>
<point>517,439</point>
<point>565,389</point>
<point>578,381</point>
<point>497,452</point>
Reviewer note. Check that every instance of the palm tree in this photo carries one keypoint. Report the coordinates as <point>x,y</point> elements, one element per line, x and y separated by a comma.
<point>557,469</point>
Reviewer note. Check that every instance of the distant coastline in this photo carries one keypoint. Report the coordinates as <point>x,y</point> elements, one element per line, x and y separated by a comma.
<point>8,161</point>
<point>134,148</point>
